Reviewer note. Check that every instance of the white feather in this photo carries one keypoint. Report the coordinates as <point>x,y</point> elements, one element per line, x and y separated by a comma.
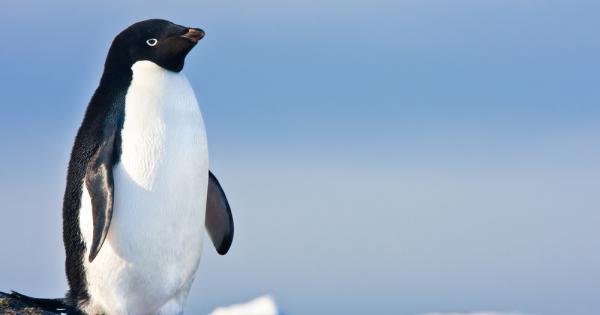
<point>154,243</point>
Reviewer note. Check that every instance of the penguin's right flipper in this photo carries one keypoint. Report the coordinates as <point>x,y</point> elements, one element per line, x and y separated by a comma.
<point>219,221</point>
<point>99,182</point>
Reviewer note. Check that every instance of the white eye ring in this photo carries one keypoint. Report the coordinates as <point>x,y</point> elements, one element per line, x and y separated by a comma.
<point>152,42</point>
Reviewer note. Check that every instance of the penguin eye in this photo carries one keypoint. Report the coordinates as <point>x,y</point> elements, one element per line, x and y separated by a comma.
<point>152,42</point>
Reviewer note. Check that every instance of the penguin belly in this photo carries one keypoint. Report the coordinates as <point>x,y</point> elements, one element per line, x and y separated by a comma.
<point>154,242</point>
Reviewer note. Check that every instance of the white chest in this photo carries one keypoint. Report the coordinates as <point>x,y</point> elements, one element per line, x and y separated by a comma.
<point>163,130</point>
<point>153,246</point>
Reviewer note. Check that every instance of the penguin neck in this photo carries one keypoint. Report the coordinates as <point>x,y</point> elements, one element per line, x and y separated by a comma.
<point>146,68</point>
<point>117,64</point>
<point>119,77</point>
<point>157,88</point>
<point>157,81</point>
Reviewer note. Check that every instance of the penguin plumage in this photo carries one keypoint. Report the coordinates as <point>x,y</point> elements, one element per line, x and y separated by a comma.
<point>138,190</point>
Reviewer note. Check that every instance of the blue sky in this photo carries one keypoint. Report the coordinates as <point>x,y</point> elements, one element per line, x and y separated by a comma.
<point>390,157</point>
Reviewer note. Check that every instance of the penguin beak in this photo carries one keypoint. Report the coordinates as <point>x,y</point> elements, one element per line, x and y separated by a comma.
<point>194,34</point>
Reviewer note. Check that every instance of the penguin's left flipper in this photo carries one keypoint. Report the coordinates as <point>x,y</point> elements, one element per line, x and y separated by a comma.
<point>99,182</point>
<point>219,221</point>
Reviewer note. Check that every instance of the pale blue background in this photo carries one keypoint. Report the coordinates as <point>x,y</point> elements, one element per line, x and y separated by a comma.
<point>381,157</point>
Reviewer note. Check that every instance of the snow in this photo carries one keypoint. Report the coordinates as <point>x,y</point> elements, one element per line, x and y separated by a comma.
<point>264,305</point>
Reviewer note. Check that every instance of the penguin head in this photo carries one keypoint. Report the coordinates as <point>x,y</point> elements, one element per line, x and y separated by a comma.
<point>159,41</point>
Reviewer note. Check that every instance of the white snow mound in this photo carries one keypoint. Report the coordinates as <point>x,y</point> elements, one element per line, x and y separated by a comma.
<point>264,305</point>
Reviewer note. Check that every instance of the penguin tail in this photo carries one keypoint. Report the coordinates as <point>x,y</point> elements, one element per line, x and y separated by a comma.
<point>59,306</point>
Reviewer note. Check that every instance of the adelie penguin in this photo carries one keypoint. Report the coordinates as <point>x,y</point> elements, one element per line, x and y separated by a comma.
<point>139,191</point>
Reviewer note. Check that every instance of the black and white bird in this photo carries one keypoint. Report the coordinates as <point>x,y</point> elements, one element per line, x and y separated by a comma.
<point>139,191</point>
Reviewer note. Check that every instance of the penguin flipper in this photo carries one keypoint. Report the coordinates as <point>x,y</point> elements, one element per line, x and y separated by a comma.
<point>219,221</point>
<point>99,182</point>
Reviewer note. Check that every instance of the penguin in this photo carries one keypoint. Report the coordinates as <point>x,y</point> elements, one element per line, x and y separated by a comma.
<point>139,192</point>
